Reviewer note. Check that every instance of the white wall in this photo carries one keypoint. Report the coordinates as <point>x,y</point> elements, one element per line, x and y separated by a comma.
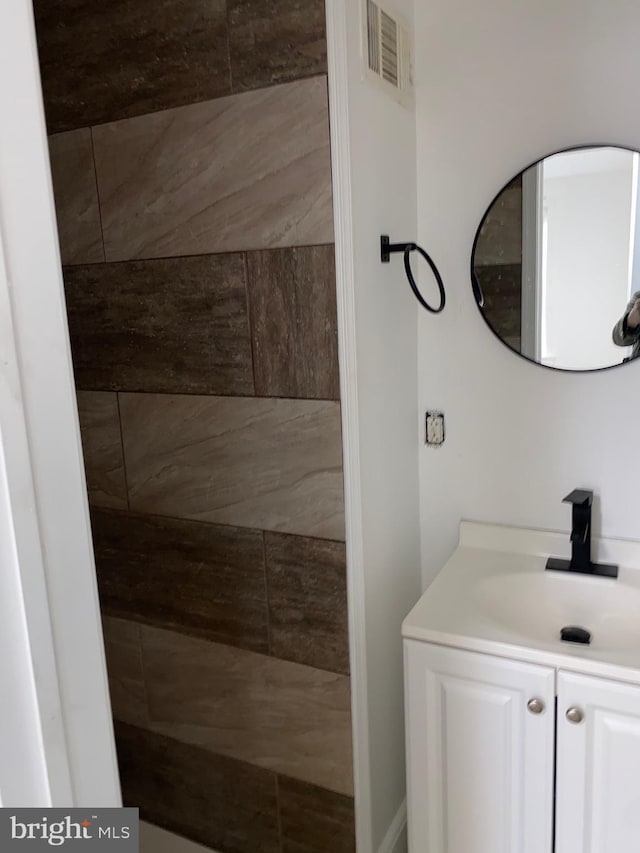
<point>373,154</point>
<point>500,84</point>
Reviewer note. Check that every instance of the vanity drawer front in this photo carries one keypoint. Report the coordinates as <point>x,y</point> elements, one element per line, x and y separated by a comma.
<point>598,770</point>
<point>480,752</point>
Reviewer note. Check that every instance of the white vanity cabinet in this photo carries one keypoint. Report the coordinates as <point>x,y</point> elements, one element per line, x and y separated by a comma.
<point>598,766</point>
<point>480,763</point>
<point>486,746</point>
<point>518,742</point>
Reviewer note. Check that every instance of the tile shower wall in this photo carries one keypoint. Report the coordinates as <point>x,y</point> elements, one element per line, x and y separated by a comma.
<point>190,158</point>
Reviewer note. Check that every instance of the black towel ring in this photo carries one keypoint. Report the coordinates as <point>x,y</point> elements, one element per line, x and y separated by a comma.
<point>386,248</point>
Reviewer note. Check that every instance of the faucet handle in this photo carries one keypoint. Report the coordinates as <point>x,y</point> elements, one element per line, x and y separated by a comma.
<point>578,497</point>
<point>581,501</point>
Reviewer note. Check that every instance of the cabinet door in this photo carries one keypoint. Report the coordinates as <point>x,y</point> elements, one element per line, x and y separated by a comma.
<point>480,763</point>
<point>598,774</point>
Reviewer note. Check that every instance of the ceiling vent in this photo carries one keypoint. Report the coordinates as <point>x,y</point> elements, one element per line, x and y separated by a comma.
<point>386,51</point>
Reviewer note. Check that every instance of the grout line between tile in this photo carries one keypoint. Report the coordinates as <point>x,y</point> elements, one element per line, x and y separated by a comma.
<point>210,395</point>
<point>136,513</point>
<point>95,177</point>
<point>228,23</point>
<point>240,251</point>
<point>124,458</point>
<point>250,325</point>
<point>266,593</point>
<point>145,692</point>
<point>239,650</point>
<point>278,813</point>
<point>58,130</point>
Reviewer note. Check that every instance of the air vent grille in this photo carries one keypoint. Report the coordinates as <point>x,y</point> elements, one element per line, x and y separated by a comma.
<point>387,49</point>
<point>373,36</point>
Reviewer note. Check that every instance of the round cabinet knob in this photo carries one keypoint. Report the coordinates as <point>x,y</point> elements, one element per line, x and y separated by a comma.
<point>574,715</point>
<point>536,706</point>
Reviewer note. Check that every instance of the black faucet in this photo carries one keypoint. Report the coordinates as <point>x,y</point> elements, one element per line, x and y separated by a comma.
<point>581,500</point>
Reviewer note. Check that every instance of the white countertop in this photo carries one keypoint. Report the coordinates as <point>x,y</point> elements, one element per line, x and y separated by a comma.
<point>456,611</point>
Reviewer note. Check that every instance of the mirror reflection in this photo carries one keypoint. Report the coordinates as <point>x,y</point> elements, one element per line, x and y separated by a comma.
<point>556,260</point>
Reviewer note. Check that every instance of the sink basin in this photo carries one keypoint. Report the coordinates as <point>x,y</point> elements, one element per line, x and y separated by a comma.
<point>538,604</point>
<point>493,596</point>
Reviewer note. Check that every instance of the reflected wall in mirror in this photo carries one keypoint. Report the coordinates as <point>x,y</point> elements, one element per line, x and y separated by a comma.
<point>555,265</point>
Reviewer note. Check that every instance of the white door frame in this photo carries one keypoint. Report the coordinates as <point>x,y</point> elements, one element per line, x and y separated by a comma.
<point>56,739</point>
<point>338,80</point>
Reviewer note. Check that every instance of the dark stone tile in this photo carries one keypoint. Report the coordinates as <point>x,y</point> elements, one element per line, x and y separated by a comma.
<point>76,196</point>
<point>273,41</point>
<point>249,171</point>
<point>123,653</point>
<point>99,418</point>
<point>272,713</point>
<point>201,579</point>
<point>307,589</point>
<point>266,463</point>
<point>292,295</point>
<point>176,325</point>
<point>216,801</point>
<point>102,61</point>
<point>315,820</point>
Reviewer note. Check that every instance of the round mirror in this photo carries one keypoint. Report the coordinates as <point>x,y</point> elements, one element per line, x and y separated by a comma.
<point>555,266</point>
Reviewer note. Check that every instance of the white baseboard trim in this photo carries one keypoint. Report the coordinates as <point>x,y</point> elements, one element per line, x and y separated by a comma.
<point>395,841</point>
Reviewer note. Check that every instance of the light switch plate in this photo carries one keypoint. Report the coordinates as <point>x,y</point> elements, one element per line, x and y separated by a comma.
<point>435,428</point>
